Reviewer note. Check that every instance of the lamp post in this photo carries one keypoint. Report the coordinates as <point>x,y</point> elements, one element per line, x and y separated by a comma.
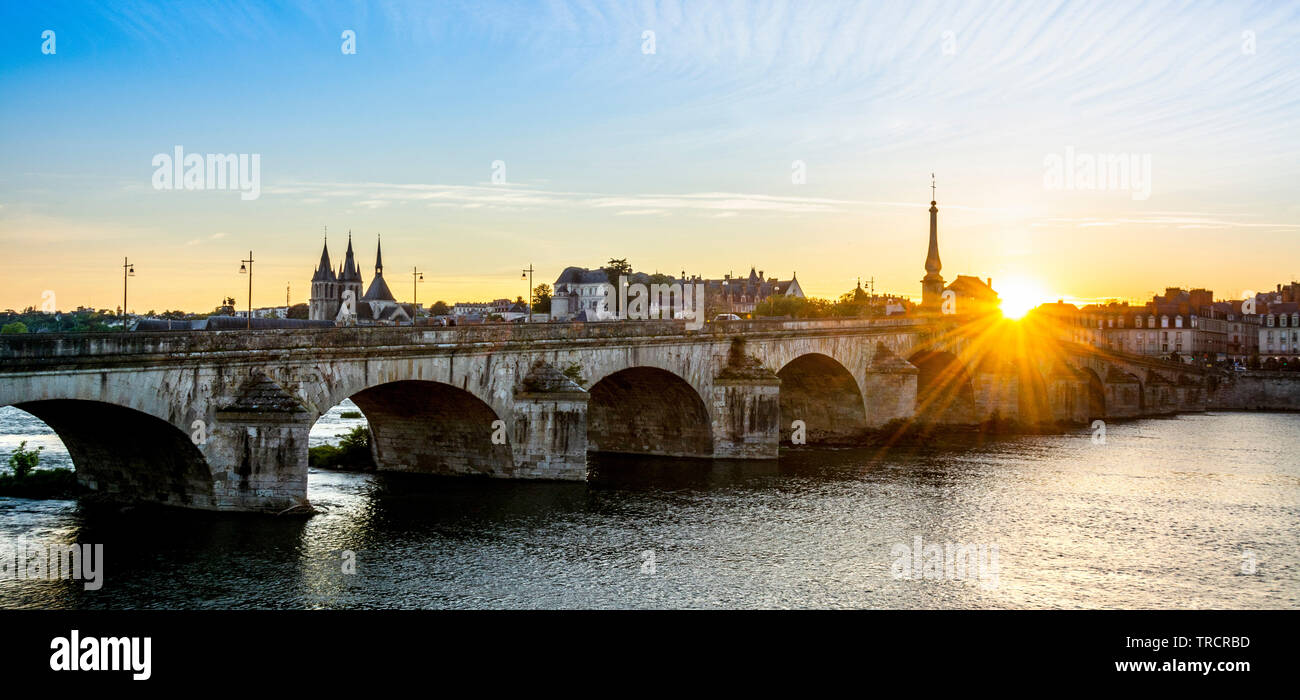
<point>249,271</point>
<point>528,275</point>
<point>416,278</point>
<point>128,270</point>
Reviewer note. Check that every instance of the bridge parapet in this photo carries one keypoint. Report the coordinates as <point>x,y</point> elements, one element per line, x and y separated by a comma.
<point>46,350</point>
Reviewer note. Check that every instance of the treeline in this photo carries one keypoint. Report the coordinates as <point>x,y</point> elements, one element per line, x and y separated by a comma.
<point>30,320</point>
<point>847,306</point>
<point>33,321</point>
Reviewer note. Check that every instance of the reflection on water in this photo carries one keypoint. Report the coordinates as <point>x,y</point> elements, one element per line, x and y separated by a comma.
<point>1159,517</point>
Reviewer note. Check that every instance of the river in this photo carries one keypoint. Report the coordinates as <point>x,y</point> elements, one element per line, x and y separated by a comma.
<point>1197,511</point>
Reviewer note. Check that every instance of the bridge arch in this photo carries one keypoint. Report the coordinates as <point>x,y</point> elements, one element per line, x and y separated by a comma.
<point>818,390</point>
<point>648,410</point>
<point>434,428</point>
<point>944,390</point>
<point>1096,394</point>
<point>127,454</point>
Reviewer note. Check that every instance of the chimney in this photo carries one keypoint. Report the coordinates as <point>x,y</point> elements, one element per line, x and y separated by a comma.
<point>990,283</point>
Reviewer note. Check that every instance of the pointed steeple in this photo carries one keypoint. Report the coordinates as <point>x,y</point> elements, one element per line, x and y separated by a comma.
<point>932,263</point>
<point>324,271</point>
<point>378,290</point>
<point>351,271</point>
<point>379,256</point>
<point>932,283</point>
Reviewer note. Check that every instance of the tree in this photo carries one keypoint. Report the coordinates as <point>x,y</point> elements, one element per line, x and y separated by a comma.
<point>352,452</point>
<point>298,311</point>
<point>613,270</point>
<point>439,308</point>
<point>794,307</point>
<point>23,460</point>
<point>617,267</point>
<point>542,299</point>
<point>12,328</point>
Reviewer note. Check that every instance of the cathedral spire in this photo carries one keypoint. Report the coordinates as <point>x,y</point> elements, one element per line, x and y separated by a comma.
<point>379,256</point>
<point>351,271</point>
<point>324,271</point>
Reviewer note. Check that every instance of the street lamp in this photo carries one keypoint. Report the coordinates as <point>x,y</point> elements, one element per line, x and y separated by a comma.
<point>128,270</point>
<point>416,278</point>
<point>249,271</point>
<point>528,275</point>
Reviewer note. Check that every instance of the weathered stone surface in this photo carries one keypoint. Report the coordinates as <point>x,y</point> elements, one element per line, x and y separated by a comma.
<point>1257,391</point>
<point>888,387</point>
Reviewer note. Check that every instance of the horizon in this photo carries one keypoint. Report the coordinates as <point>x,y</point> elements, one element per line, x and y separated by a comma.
<point>792,138</point>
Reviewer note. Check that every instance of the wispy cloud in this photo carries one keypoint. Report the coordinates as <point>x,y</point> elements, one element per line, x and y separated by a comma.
<point>378,194</point>
<point>214,237</point>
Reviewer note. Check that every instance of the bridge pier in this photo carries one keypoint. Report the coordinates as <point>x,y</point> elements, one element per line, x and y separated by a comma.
<point>550,426</point>
<point>889,385</point>
<point>256,450</point>
<point>997,392</point>
<point>746,409</point>
<point>1123,394</point>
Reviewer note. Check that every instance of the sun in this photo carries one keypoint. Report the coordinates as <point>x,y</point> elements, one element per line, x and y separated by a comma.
<point>1019,295</point>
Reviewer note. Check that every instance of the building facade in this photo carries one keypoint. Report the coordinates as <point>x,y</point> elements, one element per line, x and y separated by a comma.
<point>579,293</point>
<point>1188,325</point>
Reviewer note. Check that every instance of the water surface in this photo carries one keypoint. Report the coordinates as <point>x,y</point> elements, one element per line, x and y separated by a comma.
<point>1161,516</point>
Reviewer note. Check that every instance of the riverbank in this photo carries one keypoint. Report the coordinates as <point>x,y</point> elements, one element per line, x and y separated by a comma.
<point>41,484</point>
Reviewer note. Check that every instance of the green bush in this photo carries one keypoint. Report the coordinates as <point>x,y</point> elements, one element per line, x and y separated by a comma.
<point>23,460</point>
<point>352,452</point>
<point>26,482</point>
<point>46,483</point>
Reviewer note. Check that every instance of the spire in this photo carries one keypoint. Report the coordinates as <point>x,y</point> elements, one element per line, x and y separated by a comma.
<point>351,271</point>
<point>379,257</point>
<point>932,283</point>
<point>324,271</point>
<point>932,263</point>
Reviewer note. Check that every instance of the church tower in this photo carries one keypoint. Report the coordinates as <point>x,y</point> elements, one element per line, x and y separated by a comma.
<point>324,302</point>
<point>932,283</point>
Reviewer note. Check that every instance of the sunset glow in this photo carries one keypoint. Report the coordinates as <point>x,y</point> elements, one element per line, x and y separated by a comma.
<point>1019,295</point>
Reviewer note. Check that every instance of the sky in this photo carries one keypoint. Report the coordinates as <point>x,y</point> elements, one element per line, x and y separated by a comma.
<point>795,137</point>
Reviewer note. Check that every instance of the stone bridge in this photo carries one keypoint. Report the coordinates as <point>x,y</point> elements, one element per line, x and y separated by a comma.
<point>219,419</point>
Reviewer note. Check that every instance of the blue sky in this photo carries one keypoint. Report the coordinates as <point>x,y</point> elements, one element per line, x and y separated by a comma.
<point>680,159</point>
